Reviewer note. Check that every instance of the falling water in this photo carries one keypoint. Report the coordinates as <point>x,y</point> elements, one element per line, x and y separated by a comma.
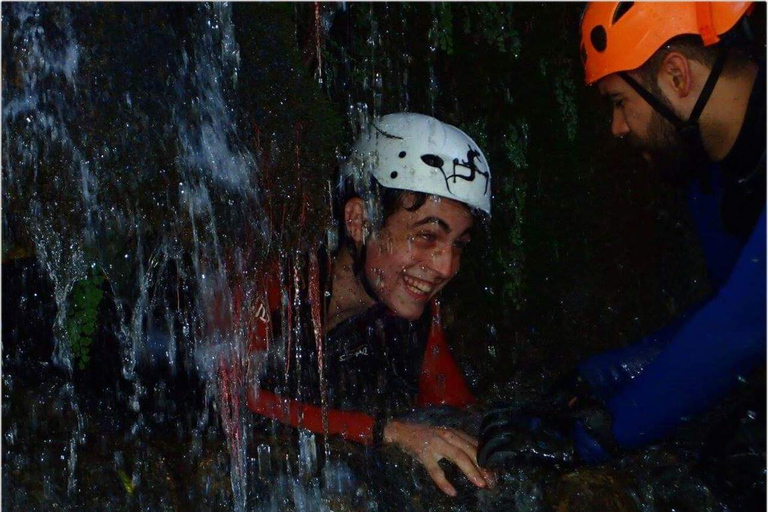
<point>432,91</point>
<point>134,180</point>
<point>126,163</point>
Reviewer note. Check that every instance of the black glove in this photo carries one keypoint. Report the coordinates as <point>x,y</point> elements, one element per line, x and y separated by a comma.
<point>511,434</point>
<point>542,432</point>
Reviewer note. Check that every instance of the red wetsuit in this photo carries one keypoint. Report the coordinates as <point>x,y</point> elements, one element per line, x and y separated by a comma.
<point>359,367</point>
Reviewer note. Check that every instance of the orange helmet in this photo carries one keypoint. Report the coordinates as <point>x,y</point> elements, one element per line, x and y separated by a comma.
<point>621,36</point>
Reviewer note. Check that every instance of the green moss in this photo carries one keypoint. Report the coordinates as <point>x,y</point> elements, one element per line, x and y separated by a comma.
<point>81,323</point>
<point>444,28</point>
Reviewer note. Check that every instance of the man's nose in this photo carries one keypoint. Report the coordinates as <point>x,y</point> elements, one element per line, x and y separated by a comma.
<point>619,127</point>
<point>442,262</point>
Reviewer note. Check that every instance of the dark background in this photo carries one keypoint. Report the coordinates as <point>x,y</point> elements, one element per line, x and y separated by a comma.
<point>586,249</point>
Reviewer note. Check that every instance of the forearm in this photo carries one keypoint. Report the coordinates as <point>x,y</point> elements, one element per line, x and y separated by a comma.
<point>350,425</point>
<point>608,372</point>
<point>724,340</point>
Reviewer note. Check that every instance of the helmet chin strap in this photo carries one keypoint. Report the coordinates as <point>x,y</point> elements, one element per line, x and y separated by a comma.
<point>689,130</point>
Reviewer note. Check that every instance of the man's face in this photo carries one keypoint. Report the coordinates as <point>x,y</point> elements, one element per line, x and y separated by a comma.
<point>417,253</point>
<point>644,128</point>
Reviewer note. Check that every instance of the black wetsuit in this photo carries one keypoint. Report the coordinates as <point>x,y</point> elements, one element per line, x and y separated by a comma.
<point>371,363</point>
<point>374,365</point>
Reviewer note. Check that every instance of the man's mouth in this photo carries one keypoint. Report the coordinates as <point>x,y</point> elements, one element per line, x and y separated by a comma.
<point>419,288</point>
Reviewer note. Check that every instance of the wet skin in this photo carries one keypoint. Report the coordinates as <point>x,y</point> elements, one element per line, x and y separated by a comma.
<point>417,253</point>
<point>408,262</point>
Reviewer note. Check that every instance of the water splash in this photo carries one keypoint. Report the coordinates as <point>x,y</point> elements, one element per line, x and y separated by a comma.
<point>97,184</point>
<point>139,172</point>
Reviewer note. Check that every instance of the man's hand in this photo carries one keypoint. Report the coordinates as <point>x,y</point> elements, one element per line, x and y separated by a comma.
<point>567,421</point>
<point>431,444</point>
<point>510,436</point>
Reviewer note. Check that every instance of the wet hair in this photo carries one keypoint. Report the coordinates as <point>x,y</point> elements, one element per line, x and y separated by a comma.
<point>382,200</point>
<point>380,203</point>
<point>740,54</point>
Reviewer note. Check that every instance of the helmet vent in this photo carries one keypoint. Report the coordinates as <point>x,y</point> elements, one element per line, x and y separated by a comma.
<point>402,154</point>
<point>621,10</point>
<point>393,175</point>
<point>433,161</point>
<point>599,38</point>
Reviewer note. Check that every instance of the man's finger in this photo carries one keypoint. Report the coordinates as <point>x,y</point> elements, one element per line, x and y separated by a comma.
<point>466,437</point>
<point>438,476</point>
<point>459,439</point>
<point>489,477</point>
<point>501,442</point>
<point>466,464</point>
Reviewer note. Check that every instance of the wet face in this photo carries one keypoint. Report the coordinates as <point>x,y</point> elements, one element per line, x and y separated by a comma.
<point>417,253</point>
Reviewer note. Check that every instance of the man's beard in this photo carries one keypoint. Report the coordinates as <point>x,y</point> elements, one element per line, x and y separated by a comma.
<point>665,151</point>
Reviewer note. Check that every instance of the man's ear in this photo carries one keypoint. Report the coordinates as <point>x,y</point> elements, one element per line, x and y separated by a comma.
<point>675,77</point>
<point>355,220</point>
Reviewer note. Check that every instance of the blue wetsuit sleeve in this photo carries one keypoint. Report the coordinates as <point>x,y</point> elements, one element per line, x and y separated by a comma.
<point>724,339</point>
<point>608,372</point>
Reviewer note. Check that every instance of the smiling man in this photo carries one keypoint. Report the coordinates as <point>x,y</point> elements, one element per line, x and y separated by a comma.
<point>686,82</point>
<point>402,264</point>
<point>408,199</point>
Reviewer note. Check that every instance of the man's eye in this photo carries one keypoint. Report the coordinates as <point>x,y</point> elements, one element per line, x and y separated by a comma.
<point>618,103</point>
<point>427,237</point>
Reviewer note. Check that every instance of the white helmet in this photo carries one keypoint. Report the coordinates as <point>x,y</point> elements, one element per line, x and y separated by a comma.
<point>421,154</point>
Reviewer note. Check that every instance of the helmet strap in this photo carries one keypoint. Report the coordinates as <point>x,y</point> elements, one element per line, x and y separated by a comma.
<point>689,130</point>
<point>652,100</point>
<point>709,86</point>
